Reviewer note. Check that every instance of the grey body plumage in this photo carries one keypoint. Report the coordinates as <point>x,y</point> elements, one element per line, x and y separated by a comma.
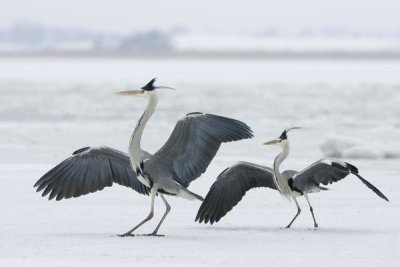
<point>186,155</point>
<point>233,183</point>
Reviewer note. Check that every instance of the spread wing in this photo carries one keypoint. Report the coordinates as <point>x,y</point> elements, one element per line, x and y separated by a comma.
<point>193,143</point>
<point>327,171</point>
<point>88,170</point>
<point>230,187</point>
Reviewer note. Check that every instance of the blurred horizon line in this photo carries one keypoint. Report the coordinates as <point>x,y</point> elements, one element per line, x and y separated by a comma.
<point>207,55</point>
<point>29,39</point>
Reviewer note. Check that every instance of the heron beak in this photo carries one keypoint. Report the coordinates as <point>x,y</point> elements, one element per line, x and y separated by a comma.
<point>272,142</point>
<point>131,92</point>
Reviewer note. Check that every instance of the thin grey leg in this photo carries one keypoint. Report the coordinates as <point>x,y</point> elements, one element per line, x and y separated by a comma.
<point>312,211</point>
<point>148,218</point>
<point>297,214</point>
<point>167,210</point>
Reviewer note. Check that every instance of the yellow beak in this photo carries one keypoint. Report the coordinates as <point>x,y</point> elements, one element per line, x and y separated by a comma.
<point>131,92</point>
<point>272,142</point>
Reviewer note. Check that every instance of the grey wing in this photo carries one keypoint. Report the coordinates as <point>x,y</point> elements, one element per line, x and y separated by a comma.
<point>89,170</point>
<point>230,187</point>
<point>193,144</point>
<point>325,172</point>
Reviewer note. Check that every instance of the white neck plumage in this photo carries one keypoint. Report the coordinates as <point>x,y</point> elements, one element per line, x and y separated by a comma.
<point>135,150</point>
<point>280,182</point>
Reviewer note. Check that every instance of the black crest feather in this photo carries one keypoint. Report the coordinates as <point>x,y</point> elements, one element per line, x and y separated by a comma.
<point>150,85</point>
<point>284,133</point>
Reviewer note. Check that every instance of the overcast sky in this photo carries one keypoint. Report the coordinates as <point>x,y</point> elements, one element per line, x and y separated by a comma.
<point>204,15</point>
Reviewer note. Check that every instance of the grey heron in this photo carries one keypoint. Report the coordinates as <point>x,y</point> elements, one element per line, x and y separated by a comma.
<point>189,150</point>
<point>233,183</point>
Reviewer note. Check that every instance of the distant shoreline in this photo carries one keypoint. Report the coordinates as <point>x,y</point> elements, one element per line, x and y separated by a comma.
<point>230,55</point>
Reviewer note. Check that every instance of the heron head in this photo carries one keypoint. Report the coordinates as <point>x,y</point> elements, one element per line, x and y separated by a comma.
<point>145,90</point>
<point>282,139</point>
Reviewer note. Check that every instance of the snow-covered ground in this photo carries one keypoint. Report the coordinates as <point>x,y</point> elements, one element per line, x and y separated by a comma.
<point>51,107</point>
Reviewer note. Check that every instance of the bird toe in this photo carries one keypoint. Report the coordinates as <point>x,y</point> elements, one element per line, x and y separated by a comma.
<point>126,235</point>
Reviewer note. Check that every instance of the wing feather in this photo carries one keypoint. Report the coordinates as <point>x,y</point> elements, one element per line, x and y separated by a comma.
<point>193,143</point>
<point>230,187</point>
<point>89,170</point>
<point>328,171</point>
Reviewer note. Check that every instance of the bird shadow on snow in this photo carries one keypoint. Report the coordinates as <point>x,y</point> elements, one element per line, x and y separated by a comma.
<point>238,229</point>
<point>83,235</point>
<point>100,235</point>
<point>269,229</point>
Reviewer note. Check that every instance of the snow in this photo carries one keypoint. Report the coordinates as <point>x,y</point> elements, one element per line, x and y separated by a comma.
<point>347,147</point>
<point>51,107</point>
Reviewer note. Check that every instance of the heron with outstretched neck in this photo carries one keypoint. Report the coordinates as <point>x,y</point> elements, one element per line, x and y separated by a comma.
<point>233,183</point>
<point>189,150</point>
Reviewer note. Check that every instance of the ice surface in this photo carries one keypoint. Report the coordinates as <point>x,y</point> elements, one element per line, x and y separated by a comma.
<point>51,107</point>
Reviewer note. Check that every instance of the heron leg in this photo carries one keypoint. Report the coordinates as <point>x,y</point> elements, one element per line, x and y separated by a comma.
<point>148,218</point>
<point>312,211</point>
<point>297,214</point>
<point>167,210</point>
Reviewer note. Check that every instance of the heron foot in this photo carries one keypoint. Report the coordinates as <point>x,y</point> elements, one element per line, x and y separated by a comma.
<point>126,235</point>
<point>287,227</point>
<point>316,225</point>
<point>152,234</point>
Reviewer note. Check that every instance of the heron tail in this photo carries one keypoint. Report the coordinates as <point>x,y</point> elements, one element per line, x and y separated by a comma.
<point>189,195</point>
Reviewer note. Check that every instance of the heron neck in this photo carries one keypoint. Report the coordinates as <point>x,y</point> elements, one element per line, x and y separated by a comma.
<point>135,150</point>
<point>280,182</point>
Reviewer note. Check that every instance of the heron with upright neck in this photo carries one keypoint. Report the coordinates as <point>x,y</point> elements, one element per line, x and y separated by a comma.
<point>280,181</point>
<point>186,155</point>
<point>233,183</point>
